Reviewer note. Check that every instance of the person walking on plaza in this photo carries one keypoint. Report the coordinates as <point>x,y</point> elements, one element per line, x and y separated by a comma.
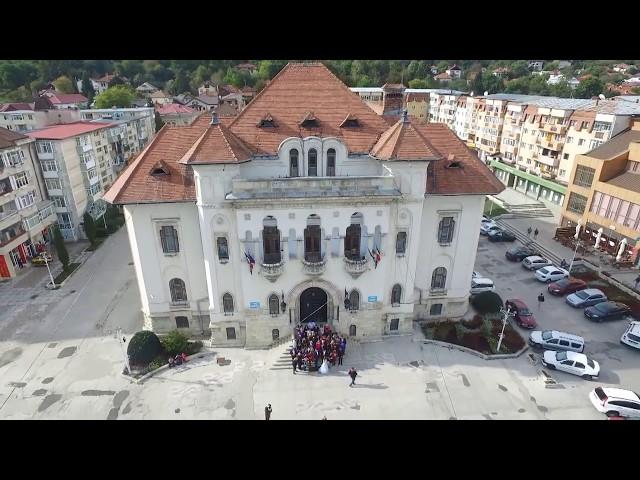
<point>353,374</point>
<point>535,234</point>
<point>637,282</point>
<point>540,300</point>
<point>267,412</point>
<point>529,232</point>
<point>294,363</point>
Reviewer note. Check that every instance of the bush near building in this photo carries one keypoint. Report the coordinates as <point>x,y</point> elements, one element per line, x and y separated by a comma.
<point>143,348</point>
<point>487,302</point>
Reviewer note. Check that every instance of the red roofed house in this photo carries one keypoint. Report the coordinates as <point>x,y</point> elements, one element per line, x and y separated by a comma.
<point>64,101</point>
<point>443,77</point>
<point>176,114</point>
<point>307,206</point>
<point>77,168</point>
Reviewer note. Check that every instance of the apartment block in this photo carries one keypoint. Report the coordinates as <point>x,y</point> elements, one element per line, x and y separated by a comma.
<point>25,216</point>
<point>442,107</point>
<point>604,193</point>
<point>22,117</point>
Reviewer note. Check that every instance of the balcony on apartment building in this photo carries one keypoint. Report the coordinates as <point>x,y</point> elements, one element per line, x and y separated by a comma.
<point>548,158</point>
<point>313,187</point>
<point>13,235</point>
<point>555,128</point>
<point>551,144</point>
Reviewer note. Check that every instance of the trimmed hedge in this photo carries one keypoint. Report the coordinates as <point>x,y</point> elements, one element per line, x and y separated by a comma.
<point>487,302</point>
<point>144,347</point>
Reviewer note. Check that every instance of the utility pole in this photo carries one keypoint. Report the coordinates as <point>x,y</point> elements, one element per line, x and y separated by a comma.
<point>505,316</point>
<point>46,262</point>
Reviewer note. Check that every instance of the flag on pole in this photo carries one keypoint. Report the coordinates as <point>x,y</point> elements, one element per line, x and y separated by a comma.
<point>251,261</point>
<point>378,255</point>
<point>374,258</point>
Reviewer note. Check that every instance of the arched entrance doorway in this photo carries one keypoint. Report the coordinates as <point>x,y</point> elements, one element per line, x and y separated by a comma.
<point>313,305</point>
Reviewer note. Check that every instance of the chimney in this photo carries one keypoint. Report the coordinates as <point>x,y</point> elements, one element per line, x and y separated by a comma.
<point>393,99</point>
<point>214,118</point>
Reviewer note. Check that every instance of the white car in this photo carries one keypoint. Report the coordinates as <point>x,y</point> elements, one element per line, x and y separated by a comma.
<point>631,336</point>
<point>486,220</point>
<point>487,227</point>
<point>571,362</point>
<point>551,274</point>
<point>534,262</point>
<point>480,284</point>
<point>616,402</point>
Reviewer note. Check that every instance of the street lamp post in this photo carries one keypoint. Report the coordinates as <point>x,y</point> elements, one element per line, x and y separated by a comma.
<point>505,316</point>
<point>46,262</point>
<point>121,340</point>
<point>577,237</point>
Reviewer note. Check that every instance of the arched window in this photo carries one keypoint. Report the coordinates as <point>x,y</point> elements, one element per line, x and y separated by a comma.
<point>445,230</point>
<point>271,241</point>
<point>401,243</point>
<point>227,304</point>
<point>294,171</point>
<point>178,290</point>
<point>352,238</point>
<point>312,239</point>
<point>439,278</point>
<point>313,162</point>
<point>331,162</point>
<point>396,293</point>
<point>354,301</point>
<point>169,239</point>
<point>223,249</point>
<point>274,304</point>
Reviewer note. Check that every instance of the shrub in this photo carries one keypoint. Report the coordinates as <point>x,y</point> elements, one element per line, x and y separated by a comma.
<point>474,323</point>
<point>175,342</point>
<point>460,330</point>
<point>194,347</point>
<point>487,328</point>
<point>143,347</point>
<point>487,302</point>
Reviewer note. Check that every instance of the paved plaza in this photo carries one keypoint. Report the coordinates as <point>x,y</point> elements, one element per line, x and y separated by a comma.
<point>59,360</point>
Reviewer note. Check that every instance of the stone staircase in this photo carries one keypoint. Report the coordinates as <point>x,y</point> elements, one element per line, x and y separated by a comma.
<point>283,362</point>
<point>527,241</point>
<point>526,210</point>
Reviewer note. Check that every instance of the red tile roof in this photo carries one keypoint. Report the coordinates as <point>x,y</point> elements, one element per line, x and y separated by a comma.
<point>67,130</point>
<point>403,141</point>
<point>217,145</point>
<point>296,91</point>
<point>472,177</point>
<point>443,76</point>
<point>9,107</point>
<point>174,108</point>
<point>58,98</point>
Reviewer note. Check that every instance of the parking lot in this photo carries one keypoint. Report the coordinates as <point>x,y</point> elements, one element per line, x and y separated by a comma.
<point>620,365</point>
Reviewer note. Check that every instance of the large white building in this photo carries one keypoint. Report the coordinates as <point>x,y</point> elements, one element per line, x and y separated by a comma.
<point>350,219</point>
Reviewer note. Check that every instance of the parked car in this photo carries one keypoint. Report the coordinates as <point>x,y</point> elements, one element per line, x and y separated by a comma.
<point>487,227</point>
<point>40,259</point>
<point>481,284</point>
<point>631,336</point>
<point>555,340</point>
<point>571,362</point>
<point>535,262</point>
<point>616,402</point>
<point>517,254</point>
<point>523,315</point>
<point>501,236</point>
<point>486,219</point>
<point>551,274</point>
<point>475,274</point>
<point>607,311</point>
<point>586,298</point>
<point>566,285</point>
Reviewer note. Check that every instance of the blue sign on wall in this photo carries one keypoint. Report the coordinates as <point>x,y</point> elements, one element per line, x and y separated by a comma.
<point>254,304</point>
<point>372,299</point>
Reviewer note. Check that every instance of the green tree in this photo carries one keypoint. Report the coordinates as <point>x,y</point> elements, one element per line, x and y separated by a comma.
<point>63,84</point>
<point>87,87</point>
<point>61,249</point>
<point>180,83</point>
<point>175,342</point>
<point>143,347</point>
<point>487,302</point>
<point>159,122</point>
<point>477,84</point>
<point>118,96</point>
<point>418,83</point>
<point>589,87</point>
<point>117,80</point>
<point>232,77</point>
<point>89,228</point>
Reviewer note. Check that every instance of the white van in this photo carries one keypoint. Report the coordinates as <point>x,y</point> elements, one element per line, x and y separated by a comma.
<point>554,340</point>
<point>481,284</point>
<point>631,336</point>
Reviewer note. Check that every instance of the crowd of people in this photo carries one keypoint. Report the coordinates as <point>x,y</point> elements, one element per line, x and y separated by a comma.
<point>314,347</point>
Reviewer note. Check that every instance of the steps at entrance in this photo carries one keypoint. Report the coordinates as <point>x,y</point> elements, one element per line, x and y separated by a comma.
<point>527,210</point>
<point>522,238</point>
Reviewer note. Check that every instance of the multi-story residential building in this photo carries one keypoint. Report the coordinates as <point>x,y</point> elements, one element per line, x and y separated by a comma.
<point>511,132</point>
<point>604,193</point>
<point>308,206</point>
<point>160,98</point>
<point>65,101</point>
<point>488,134</point>
<point>176,114</point>
<point>22,117</point>
<point>417,104</point>
<point>454,71</point>
<point>442,106</point>
<point>25,217</point>
<point>76,160</point>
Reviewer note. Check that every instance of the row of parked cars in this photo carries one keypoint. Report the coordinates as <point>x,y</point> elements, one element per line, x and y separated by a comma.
<point>564,351</point>
<point>495,233</point>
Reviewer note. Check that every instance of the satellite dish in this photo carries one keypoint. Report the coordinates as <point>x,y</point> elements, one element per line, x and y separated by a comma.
<point>486,92</point>
<point>601,97</point>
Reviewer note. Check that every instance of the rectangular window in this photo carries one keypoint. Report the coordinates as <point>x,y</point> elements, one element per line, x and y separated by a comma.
<point>21,179</point>
<point>436,309</point>
<point>576,203</point>
<point>393,326</point>
<point>44,147</point>
<point>27,200</point>
<point>49,165</point>
<point>231,333</point>
<point>15,158</point>
<point>59,201</point>
<point>584,176</point>
<point>445,230</point>
<point>92,173</point>
<point>595,144</point>
<point>223,249</point>
<point>401,243</point>
<point>52,183</point>
<point>581,142</point>
<point>569,139</point>
<point>566,156</point>
<point>169,239</point>
<point>93,189</point>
